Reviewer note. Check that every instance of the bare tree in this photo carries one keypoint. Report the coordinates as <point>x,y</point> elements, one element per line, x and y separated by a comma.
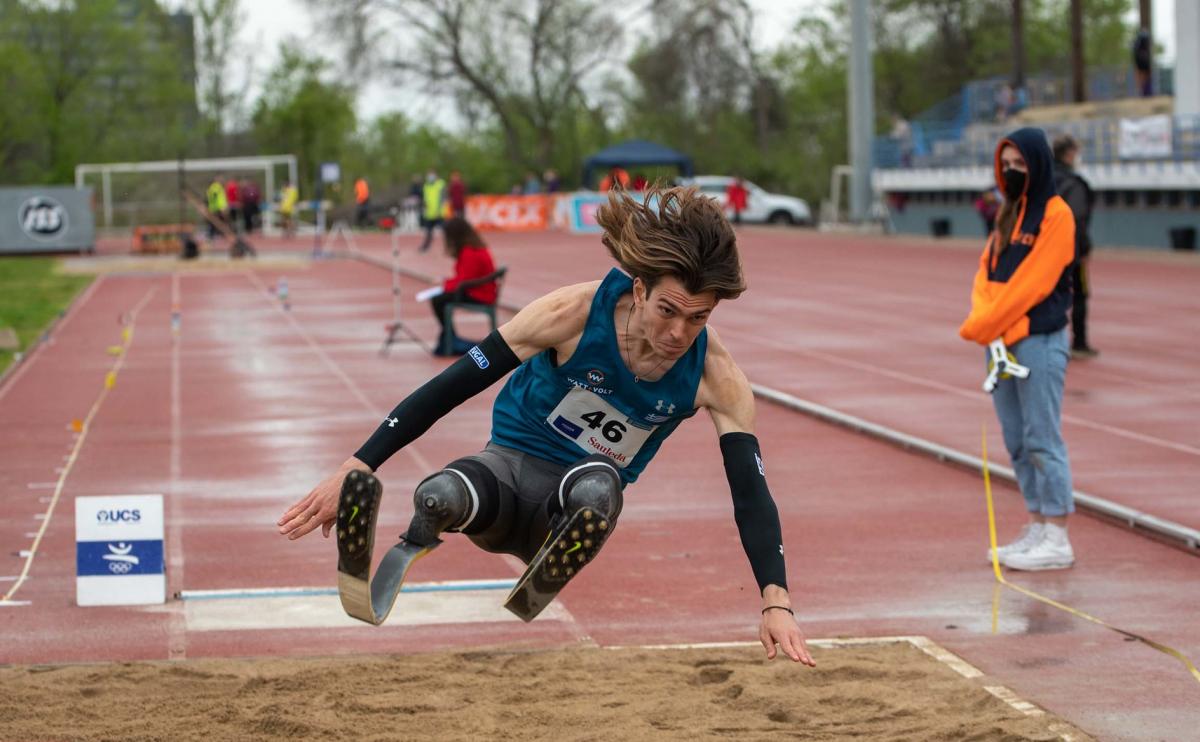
<point>221,62</point>
<point>525,62</point>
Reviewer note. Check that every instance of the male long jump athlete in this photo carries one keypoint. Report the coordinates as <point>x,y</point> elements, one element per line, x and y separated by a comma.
<point>603,372</point>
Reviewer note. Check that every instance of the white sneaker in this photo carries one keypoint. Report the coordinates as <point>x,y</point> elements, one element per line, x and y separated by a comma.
<point>1052,552</point>
<point>1031,533</point>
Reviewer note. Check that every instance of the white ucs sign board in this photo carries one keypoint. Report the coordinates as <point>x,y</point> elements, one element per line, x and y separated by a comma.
<point>119,550</point>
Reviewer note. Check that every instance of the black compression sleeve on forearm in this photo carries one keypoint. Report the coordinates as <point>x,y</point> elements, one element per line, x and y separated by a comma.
<point>753,509</point>
<point>483,366</point>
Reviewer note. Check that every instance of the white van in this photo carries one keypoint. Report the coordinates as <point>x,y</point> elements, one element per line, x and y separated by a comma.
<point>761,207</point>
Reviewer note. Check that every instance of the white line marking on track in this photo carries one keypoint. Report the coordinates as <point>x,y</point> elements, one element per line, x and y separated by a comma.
<point>177,622</point>
<point>24,553</point>
<point>41,485</point>
<point>263,291</point>
<point>970,394</point>
<point>58,487</point>
<point>14,603</point>
<point>1006,695</point>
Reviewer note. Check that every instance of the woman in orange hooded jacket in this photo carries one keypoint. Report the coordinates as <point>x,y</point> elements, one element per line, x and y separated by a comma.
<point>1022,294</point>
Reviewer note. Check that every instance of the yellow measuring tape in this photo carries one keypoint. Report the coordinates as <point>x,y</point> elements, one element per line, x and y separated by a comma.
<point>987,488</point>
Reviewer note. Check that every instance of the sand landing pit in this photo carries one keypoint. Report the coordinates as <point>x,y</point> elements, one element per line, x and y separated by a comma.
<point>884,691</point>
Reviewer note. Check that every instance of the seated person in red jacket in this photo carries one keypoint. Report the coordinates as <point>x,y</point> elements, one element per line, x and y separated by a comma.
<point>472,259</point>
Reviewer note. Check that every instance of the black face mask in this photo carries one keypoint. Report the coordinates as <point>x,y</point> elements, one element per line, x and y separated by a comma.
<point>1014,183</point>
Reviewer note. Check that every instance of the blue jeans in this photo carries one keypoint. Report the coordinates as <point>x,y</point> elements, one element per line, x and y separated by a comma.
<point>1030,412</point>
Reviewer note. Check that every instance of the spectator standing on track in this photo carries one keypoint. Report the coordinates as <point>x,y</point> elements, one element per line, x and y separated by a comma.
<point>288,198</point>
<point>433,198</point>
<point>458,195</point>
<point>737,198</point>
<point>413,203</point>
<point>1021,294</point>
<point>1080,197</point>
<point>251,200</point>
<point>218,205</point>
<point>602,373</point>
<point>233,196</point>
<point>362,203</point>
<point>472,260</point>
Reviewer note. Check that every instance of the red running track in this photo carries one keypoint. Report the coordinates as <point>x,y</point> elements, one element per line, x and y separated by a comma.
<point>252,405</point>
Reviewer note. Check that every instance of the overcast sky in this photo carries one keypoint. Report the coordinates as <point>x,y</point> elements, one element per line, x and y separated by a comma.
<point>269,22</point>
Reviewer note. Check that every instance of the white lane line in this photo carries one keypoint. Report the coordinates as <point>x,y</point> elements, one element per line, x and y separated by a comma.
<point>969,394</point>
<point>1006,695</point>
<point>177,620</point>
<point>41,485</point>
<point>264,292</point>
<point>14,603</point>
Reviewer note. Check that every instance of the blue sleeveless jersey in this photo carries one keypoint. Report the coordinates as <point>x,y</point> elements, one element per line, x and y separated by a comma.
<point>591,404</point>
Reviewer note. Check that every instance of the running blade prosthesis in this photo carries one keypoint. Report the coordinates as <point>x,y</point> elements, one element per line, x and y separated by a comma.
<point>369,600</point>
<point>565,552</point>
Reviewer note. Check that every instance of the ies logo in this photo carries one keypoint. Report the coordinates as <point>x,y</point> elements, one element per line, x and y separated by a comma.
<point>42,217</point>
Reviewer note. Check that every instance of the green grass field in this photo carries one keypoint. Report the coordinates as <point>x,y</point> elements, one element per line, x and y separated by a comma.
<point>32,294</point>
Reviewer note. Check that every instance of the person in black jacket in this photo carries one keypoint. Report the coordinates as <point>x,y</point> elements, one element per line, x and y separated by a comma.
<point>1080,197</point>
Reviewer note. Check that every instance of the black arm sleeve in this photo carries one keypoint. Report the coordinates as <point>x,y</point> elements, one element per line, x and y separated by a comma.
<point>483,366</point>
<point>753,509</point>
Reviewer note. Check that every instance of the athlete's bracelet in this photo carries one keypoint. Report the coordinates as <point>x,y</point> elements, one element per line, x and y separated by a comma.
<point>780,607</point>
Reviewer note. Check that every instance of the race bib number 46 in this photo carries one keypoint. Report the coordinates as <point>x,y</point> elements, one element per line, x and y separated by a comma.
<point>598,427</point>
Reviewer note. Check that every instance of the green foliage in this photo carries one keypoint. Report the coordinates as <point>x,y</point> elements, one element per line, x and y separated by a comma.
<point>85,81</point>
<point>89,81</point>
<point>302,113</point>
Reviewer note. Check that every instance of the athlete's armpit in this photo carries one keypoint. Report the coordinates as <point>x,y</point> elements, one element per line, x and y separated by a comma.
<point>550,320</point>
<point>725,391</point>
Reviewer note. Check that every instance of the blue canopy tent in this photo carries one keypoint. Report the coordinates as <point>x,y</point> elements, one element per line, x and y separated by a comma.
<point>636,152</point>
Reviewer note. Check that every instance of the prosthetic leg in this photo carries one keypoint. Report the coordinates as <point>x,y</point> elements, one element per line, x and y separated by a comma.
<point>590,500</point>
<point>439,505</point>
<point>1002,365</point>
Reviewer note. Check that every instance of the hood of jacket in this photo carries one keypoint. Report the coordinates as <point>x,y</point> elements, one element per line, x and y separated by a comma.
<point>1039,181</point>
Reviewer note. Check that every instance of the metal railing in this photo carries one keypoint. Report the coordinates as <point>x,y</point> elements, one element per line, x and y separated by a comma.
<point>948,145</point>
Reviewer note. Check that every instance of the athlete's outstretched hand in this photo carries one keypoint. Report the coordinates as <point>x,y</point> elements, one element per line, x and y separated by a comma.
<point>319,507</point>
<point>780,627</point>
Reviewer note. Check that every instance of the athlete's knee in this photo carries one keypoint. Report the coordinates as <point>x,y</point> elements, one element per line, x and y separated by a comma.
<point>462,497</point>
<point>592,483</point>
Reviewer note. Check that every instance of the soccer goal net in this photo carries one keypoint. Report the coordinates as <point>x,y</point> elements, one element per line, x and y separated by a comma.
<point>134,194</point>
